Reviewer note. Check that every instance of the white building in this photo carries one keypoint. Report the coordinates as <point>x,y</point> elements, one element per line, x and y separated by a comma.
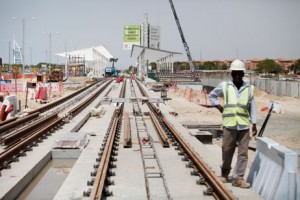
<point>96,58</point>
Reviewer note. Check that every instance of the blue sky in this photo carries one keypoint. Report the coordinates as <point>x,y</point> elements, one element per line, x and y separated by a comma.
<point>214,29</point>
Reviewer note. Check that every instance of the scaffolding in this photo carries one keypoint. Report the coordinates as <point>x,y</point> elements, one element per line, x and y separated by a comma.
<point>76,66</point>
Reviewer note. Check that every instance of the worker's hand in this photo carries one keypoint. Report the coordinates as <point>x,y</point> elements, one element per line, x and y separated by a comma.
<point>254,130</point>
<point>220,108</point>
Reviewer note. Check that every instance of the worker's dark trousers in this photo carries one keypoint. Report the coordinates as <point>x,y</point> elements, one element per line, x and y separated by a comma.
<point>232,139</point>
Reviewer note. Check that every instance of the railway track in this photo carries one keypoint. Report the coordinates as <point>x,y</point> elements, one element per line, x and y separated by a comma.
<point>206,175</point>
<point>107,155</point>
<point>17,122</point>
<point>25,143</point>
<point>101,179</point>
<point>100,184</point>
<point>38,127</point>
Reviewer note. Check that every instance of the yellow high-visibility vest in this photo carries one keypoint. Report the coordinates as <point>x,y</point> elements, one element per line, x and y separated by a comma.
<point>236,112</point>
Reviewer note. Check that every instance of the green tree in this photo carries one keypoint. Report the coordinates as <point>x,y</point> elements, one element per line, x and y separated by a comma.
<point>268,66</point>
<point>198,66</point>
<point>277,69</point>
<point>39,65</point>
<point>209,65</point>
<point>295,67</point>
<point>185,66</point>
<point>223,67</point>
<point>131,69</point>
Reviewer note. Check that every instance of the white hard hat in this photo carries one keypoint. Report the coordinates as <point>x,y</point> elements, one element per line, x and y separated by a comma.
<point>237,65</point>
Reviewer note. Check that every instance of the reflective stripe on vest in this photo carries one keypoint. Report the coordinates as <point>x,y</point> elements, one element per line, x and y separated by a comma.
<point>236,112</point>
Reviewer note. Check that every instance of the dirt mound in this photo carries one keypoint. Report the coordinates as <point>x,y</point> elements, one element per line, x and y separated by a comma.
<point>80,79</point>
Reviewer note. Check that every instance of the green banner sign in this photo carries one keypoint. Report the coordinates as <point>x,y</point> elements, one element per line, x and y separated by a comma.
<point>132,33</point>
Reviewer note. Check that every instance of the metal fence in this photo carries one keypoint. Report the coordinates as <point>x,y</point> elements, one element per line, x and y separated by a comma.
<point>271,86</point>
<point>279,88</point>
<point>275,87</point>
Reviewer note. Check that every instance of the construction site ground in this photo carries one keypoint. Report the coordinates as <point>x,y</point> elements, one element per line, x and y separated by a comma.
<point>283,128</point>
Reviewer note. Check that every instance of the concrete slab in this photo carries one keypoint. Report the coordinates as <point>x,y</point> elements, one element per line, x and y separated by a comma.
<point>180,183</point>
<point>72,188</point>
<point>69,146</point>
<point>129,182</point>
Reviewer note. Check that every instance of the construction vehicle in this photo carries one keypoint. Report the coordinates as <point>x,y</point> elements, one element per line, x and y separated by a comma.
<point>186,47</point>
<point>110,71</point>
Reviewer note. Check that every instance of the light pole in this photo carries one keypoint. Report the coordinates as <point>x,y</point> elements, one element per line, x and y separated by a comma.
<point>113,60</point>
<point>9,52</point>
<point>66,59</point>
<point>30,56</point>
<point>23,41</point>
<point>50,46</point>
<point>23,47</point>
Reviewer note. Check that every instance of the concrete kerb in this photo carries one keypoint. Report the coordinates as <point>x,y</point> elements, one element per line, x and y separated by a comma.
<point>273,173</point>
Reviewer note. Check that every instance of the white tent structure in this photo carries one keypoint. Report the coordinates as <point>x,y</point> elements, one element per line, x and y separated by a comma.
<point>96,58</point>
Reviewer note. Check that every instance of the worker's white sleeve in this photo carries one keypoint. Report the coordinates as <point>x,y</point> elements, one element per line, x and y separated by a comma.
<point>215,93</point>
<point>253,112</point>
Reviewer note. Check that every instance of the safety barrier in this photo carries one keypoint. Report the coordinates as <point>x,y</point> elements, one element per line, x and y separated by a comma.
<point>21,87</point>
<point>273,174</point>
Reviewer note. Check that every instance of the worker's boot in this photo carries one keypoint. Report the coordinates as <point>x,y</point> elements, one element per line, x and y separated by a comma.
<point>224,175</point>
<point>238,182</point>
<point>224,179</point>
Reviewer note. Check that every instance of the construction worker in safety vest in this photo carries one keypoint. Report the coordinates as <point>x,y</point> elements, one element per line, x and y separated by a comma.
<point>238,112</point>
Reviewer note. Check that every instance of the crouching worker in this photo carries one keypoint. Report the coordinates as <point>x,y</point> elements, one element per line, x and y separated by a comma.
<point>238,112</point>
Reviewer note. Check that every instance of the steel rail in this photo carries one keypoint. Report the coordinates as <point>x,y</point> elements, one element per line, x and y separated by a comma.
<point>97,191</point>
<point>218,188</point>
<point>28,134</point>
<point>82,105</point>
<point>99,183</point>
<point>61,100</point>
<point>13,137</point>
<point>17,122</point>
<point>15,149</point>
<point>2,123</point>
<point>163,139</point>
<point>127,143</point>
<point>160,132</point>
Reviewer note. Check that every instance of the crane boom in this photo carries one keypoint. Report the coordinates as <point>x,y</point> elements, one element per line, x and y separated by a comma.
<point>186,47</point>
